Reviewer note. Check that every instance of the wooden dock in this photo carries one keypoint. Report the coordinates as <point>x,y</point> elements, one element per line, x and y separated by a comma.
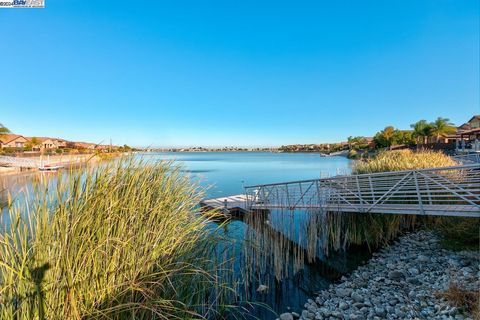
<point>231,206</point>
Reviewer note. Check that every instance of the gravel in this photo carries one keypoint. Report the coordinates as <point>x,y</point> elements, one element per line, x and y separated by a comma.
<point>399,282</point>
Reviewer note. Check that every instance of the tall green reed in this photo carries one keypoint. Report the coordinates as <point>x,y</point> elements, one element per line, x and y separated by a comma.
<point>120,241</point>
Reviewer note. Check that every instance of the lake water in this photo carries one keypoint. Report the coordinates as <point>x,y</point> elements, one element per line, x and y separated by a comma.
<point>225,174</point>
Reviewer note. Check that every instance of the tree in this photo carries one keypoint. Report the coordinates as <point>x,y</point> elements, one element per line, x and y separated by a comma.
<point>404,137</point>
<point>386,137</point>
<point>421,130</point>
<point>442,126</point>
<point>32,143</point>
<point>3,130</point>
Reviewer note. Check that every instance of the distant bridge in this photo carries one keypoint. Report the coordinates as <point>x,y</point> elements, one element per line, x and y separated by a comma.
<point>448,191</point>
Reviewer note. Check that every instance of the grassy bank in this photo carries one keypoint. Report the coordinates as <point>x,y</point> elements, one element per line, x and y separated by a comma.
<point>403,160</point>
<point>112,243</point>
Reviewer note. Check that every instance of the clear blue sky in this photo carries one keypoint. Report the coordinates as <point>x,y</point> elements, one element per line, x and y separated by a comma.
<point>252,73</point>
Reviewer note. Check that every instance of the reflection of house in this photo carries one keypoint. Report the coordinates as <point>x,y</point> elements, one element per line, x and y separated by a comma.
<point>12,141</point>
<point>469,135</point>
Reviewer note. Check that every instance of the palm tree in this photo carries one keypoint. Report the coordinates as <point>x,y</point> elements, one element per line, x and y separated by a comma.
<point>422,129</point>
<point>442,126</point>
<point>3,130</point>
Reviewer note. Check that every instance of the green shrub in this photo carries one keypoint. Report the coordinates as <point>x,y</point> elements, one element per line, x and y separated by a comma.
<point>117,242</point>
<point>353,154</point>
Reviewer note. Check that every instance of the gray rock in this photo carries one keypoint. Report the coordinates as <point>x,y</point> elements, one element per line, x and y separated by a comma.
<point>312,309</point>
<point>286,316</point>
<point>305,314</point>
<point>395,275</point>
<point>393,302</point>
<point>413,271</point>
<point>343,292</point>
<point>423,259</point>
<point>343,306</point>
<point>380,312</point>
<point>357,297</point>
<point>358,305</point>
<point>413,280</point>
<point>364,310</point>
<point>400,314</point>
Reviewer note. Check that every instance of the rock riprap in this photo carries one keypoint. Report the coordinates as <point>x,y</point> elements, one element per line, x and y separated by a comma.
<point>402,281</point>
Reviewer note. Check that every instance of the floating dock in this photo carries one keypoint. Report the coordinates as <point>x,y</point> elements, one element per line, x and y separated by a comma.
<point>232,206</point>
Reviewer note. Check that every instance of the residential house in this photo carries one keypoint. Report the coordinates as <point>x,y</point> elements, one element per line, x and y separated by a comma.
<point>48,143</point>
<point>474,122</point>
<point>84,145</point>
<point>469,136</point>
<point>12,141</point>
<point>103,148</point>
<point>62,143</point>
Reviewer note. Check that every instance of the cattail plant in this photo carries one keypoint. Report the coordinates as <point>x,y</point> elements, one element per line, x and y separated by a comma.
<point>119,241</point>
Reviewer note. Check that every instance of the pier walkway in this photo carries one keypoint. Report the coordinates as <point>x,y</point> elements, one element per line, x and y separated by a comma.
<point>50,163</point>
<point>19,162</point>
<point>448,191</point>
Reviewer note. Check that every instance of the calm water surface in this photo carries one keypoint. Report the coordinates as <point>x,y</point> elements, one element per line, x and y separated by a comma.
<point>228,171</point>
<point>226,174</point>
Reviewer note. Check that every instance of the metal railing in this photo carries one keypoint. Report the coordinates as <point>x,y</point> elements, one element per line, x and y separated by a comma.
<point>468,158</point>
<point>451,191</point>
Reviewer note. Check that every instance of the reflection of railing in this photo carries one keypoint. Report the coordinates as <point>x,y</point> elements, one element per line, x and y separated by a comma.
<point>452,191</point>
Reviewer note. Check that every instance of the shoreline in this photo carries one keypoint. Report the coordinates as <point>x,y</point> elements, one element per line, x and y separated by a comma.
<point>402,281</point>
<point>67,161</point>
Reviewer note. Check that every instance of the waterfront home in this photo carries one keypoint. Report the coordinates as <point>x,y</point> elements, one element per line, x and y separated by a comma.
<point>103,148</point>
<point>47,143</point>
<point>12,141</point>
<point>468,139</point>
<point>84,146</point>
